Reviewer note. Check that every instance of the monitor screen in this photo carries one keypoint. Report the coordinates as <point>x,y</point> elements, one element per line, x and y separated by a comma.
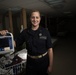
<point>5,43</point>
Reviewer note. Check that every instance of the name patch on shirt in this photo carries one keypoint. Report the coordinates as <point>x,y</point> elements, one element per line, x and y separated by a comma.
<point>43,37</point>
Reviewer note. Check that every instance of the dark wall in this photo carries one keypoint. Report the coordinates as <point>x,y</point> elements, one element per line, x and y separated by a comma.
<point>16,25</point>
<point>61,24</point>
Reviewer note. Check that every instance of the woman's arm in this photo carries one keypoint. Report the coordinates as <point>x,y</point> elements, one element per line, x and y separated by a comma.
<point>50,53</point>
<point>14,43</point>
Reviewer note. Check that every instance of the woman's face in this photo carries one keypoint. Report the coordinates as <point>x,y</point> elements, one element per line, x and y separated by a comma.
<point>35,18</point>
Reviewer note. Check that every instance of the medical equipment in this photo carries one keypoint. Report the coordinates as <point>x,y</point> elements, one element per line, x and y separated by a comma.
<point>6,44</point>
<point>11,63</point>
<point>14,64</point>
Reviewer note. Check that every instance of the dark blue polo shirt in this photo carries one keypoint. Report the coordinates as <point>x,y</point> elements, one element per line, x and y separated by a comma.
<point>37,42</point>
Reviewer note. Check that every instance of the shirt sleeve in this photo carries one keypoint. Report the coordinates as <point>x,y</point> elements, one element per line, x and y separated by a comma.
<point>48,41</point>
<point>20,39</point>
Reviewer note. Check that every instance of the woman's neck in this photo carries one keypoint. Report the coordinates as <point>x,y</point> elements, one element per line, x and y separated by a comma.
<point>35,27</point>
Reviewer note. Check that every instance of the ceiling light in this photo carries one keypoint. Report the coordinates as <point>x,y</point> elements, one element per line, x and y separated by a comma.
<point>55,3</point>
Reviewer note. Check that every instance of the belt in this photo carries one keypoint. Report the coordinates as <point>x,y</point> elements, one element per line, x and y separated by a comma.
<point>39,56</point>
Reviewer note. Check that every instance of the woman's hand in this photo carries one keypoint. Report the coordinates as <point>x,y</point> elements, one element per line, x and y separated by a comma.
<point>3,32</point>
<point>49,70</point>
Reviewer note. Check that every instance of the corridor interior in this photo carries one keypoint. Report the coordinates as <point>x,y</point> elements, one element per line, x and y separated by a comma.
<point>65,55</point>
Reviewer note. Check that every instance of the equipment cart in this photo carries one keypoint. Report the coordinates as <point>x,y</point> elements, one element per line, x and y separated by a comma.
<point>11,63</point>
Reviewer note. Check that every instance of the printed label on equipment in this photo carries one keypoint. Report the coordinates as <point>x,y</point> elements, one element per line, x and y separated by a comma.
<point>6,48</point>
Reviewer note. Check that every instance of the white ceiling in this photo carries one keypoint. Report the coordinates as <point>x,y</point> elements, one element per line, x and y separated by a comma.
<point>68,7</point>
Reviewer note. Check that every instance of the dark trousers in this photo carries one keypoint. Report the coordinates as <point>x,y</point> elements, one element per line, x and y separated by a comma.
<point>37,66</point>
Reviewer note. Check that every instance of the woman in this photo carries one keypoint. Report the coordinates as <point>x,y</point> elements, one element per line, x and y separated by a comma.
<point>38,45</point>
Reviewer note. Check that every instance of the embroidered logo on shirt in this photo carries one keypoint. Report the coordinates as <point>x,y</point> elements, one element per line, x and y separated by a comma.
<point>40,34</point>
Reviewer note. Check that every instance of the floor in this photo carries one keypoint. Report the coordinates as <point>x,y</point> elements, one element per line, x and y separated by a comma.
<point>65,56</point>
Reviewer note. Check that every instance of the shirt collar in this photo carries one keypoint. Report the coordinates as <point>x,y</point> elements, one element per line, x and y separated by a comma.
<point>38,30</point>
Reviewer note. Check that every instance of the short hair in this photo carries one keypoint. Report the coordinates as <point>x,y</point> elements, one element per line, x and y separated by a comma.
<point>35,11</point>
